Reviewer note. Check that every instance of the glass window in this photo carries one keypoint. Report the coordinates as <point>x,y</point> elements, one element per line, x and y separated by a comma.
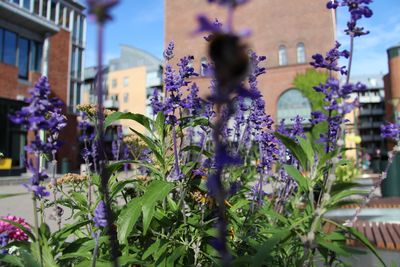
<point>67,18</point>
<point>126,97</point>
<point>35,56</point>
<point>53,9</point>
<point>1,44</point>
<point>75,29</point>
<point>23,58</point>
<point>10,48</point>
<point>73,62</point>
<point>15,1</point>
<point>79,63</point>
<point>81,22</point>
<point>71,93</point>
<point>282,55</point>
<point>61,15</point>
<point>292,103</point>
<point>78,94</point>
<point>301,53</point>
<point>126,81</point>
<point>36,6</point>
<point>114,83</point>
<point>44,8</point>
<point>27,4</point>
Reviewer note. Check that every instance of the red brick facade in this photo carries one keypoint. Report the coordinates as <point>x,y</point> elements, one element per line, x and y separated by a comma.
<point>273,23</point>
<point>58,74</point>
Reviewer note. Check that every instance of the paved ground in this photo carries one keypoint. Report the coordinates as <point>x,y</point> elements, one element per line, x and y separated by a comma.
<point>21,205</point>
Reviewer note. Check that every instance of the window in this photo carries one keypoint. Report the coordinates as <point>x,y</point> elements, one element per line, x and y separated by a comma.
<point>53,9</point>
<point>73,62</point>
<point>78,94</point>
<point>35,56</point>
<point>71,93</point>
<point>36,7</point>
<point>23,58</point>
<point>44,8</point>
<point>301,53</point>
<point>27,4</point>
<point>126,97</point>
<point>114,97</point>
<point>75,29</point>
<point>61,15</point>
<point>203,62</point>
<point>282,55</point>
<point>79,63</point>
<point>114,83</point>
<point>10,48</point>
<point>1,44</point>
<point>126,81</point>
<point>67,18</point>
<point>81,23</point>
<point>292,103</point>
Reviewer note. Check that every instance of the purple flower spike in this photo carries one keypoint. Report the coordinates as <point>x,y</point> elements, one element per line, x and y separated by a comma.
<point>99,218</point>
<point>391,130</point>
<point>169,51</point>
<point>100,9</point>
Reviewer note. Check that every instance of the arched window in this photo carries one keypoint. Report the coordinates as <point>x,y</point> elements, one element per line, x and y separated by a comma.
<point>282,55</point>
<point>301,53</point>
<point>292,103</point>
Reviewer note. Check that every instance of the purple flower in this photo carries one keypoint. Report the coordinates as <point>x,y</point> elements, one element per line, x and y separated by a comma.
<point>99,218</point>
<point>38,190</point>
<point>391,130</point>
<point>330,61</point>
<point>169,51</point>
<point>100,9</point>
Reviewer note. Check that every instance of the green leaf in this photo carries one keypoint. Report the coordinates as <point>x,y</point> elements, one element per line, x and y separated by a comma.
<point>118,186</point>
<point>128,218</point>
<point>306,145</point>
<point>344,194</point>
<point>143,120</point>
<point>360,237</point>
<point>11,259</point>
<point>295,149</point>
<point>177,253</point>
<point>152,145</point>
<point>151,249</point>
<point>28,259</point>
<point>267,247</point>
<point>160,125</point>
<point>333,246</point>
<point>156,191</point>
<point>11,195</point>
<point>302,181</point>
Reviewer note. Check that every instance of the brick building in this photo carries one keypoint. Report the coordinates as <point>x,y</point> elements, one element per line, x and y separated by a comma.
<point>287,32</point>
<point>40,37</point>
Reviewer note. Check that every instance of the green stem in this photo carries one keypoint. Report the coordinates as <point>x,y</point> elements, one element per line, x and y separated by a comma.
<point>36,224</point>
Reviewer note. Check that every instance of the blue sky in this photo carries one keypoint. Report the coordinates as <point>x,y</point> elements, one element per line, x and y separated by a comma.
<point>141,24</point>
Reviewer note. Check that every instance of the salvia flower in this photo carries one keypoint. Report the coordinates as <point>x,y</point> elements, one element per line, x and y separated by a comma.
<point>99,218</point>
<point>391,130</point>
<point>43,114</point>
<point>169,51</point>
<point>100,9</point>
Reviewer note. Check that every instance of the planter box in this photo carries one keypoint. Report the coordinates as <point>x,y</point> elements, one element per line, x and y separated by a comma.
<point>5,164</point>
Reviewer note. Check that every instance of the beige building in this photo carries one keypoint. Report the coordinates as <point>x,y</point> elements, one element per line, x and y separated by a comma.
<point>129,81</point>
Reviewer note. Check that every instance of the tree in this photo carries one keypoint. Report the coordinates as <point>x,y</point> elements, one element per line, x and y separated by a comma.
<point>305,83</point>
